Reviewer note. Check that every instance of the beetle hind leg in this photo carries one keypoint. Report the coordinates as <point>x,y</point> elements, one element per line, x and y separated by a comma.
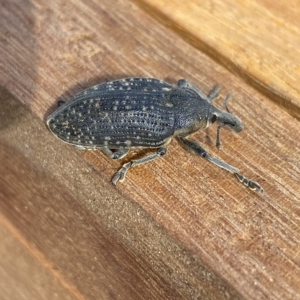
<point>120,175</point>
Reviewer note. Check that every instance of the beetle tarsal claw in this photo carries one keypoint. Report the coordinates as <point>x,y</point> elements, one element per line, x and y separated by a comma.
<point>249,183</point>
<point>218,141</point>
<point>120,175</point>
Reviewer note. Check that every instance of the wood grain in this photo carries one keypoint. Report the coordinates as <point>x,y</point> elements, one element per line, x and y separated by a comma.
<point>22,275</point>
<point>75,234</point>
<point>180,227</point>
<point>257,40</point>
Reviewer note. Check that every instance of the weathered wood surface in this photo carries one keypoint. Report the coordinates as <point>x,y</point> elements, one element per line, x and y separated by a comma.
<point>178,228</point>
<point>257,40</point>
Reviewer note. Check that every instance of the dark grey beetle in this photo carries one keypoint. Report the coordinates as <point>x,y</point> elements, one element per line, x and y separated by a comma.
<point>142,113</point>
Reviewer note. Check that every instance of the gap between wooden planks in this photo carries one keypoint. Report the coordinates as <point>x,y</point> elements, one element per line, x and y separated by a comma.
<point>257,40</point>
<point>53,51</point>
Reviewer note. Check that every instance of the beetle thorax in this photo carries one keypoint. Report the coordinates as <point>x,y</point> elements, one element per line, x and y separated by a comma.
<point>195,115</point>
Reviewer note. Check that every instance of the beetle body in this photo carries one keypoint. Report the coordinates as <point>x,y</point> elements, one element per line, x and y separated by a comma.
<point>131,112</point>
<point>139,112</point>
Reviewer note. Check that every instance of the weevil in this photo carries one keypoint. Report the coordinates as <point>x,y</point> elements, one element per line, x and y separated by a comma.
<point>131,113</point>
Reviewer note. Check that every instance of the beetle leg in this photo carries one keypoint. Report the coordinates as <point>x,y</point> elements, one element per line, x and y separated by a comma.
<point>117,154</point>
<point>60,103</point>
<point>196,148</point>
<point>249,183</point>
<point>186,84</point>
<point>120,175</point>
<point>214,93</point>
<point>218,141</point>
<point>80,147</point>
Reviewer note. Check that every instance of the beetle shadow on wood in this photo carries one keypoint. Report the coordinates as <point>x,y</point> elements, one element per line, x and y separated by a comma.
<point>12,111</point>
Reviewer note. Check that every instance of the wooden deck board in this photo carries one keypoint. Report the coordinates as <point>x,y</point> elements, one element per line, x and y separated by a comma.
<point>257,40</point>
<point>178,227</point>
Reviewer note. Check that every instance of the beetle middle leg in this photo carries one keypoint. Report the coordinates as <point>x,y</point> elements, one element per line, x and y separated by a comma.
<point>120,153</point>
<point>196,148</point>
<point>120,175</point>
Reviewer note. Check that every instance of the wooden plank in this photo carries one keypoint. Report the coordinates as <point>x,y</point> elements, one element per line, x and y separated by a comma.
<point>69,226</point>
<point>227,240</point>
<point>22,274</point>
<point>75,235</point>
<point>257,40</point>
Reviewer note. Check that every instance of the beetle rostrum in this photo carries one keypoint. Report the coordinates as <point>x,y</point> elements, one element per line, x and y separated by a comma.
<point>142,113</point>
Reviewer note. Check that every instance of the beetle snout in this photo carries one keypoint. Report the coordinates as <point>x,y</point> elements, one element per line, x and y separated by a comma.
<point>240,127</point>
<point>237,125</point>
<point>233,123</point>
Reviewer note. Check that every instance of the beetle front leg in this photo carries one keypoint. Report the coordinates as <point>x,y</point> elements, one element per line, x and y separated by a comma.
<point>60,103</point>
<point>186,84</point>
<point>120,175</point>
<point>249,183</point>
<point>218,141</point>
<point>196,148</point>
<point>214,93</point>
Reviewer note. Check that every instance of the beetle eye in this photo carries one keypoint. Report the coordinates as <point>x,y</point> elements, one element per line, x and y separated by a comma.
<point>213,119</point>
